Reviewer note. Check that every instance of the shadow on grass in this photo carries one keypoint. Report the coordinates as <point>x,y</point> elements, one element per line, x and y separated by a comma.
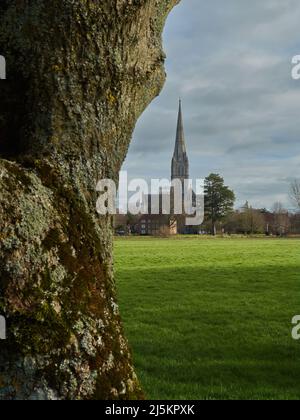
<point>213,332</point>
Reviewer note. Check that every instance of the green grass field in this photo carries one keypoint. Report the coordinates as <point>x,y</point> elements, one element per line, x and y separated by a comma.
<point>211,318</point>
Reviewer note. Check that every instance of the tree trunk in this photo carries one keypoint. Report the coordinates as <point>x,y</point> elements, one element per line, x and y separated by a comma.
<point>79,74</point>
<point>213,228</point>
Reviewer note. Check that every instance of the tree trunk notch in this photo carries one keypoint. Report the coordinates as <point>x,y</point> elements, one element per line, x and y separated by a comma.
<point>79,74</point>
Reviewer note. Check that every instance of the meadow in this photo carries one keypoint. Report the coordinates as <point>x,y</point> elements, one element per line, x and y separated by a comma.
<point>210,318</point>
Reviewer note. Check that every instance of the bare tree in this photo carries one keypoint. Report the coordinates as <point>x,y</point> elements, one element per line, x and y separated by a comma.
<point>295,192</point>
<point>281,219</point>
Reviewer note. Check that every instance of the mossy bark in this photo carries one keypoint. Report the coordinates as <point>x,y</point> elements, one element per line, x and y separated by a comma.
<point>79,75</point>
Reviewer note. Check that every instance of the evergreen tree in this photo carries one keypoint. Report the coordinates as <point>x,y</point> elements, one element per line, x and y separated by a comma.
<point>219,200</point>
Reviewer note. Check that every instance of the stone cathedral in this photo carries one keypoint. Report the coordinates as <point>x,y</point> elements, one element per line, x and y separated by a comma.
<point>155,224</point>
<point>180,170</point>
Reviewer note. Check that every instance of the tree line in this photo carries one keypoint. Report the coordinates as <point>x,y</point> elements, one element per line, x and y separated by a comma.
<point>221,217</point>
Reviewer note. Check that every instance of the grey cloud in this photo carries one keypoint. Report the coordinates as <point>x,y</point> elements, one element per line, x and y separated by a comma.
<point>231,63</point>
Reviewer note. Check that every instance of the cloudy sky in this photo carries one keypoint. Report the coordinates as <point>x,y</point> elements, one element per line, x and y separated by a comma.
<point>230,62</point>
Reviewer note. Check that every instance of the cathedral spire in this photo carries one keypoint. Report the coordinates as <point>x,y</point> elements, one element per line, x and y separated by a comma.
<point>180,162</point>
<point>180,147</point>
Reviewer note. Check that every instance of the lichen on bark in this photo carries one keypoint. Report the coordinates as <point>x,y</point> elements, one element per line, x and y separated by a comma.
<point>80,73</point>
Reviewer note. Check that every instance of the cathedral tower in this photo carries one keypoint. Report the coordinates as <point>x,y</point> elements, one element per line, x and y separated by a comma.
<point>180,162</point>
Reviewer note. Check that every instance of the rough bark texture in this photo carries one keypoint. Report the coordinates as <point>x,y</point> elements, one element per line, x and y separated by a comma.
<point>80,72</point>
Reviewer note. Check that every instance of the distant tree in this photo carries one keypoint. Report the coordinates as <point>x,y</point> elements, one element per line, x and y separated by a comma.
<point>233,223</point>
<point>281,219</point>
<point>295,223</point>
<point>252,220</point>
<point>245,221</point>
<point>219,200</point>
<point>295,192</point>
